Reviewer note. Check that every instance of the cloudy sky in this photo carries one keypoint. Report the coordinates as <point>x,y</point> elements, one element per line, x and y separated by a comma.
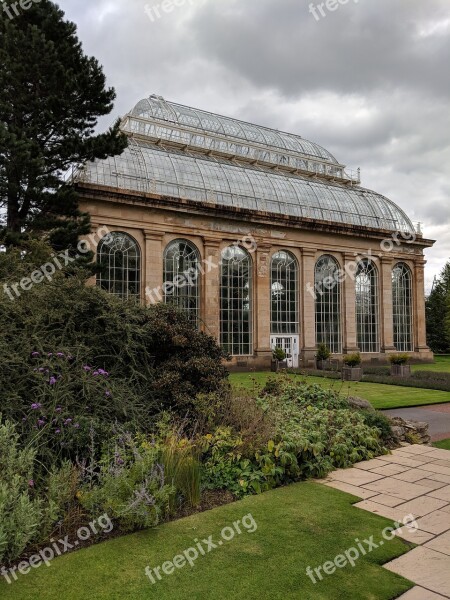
<point>370,81</point>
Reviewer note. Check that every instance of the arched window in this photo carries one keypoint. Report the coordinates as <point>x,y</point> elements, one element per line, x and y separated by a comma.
<point>328,303</point>
<point>402,307</point>
<point>236,318</point>
<point>284,291</point>
<point>182,278</point>
<point>119,256</point>
<point>367,306</point>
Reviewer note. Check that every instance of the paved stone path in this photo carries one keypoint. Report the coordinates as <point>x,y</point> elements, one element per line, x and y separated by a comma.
<point>413,480</point>
<point>436,415</point>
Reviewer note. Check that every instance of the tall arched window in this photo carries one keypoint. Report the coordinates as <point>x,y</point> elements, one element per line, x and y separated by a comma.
<point>402,307</point>
<point>119,256</point>
<point>236,318</point>
<point>328,303</point>
<point>284,291</point>
<point>367,306</point>
<point>182,278</point>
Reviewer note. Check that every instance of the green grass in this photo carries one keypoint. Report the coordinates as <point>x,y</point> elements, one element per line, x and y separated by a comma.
<point>444,444</point>
<point>381,396</point>
<point>441,363</point>
<point>298,526</point>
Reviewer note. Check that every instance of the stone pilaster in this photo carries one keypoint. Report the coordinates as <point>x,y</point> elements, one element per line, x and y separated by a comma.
<point>210,312</point>
<point>387,310</point>
<point>308,306</point>
<point>420,328</point>
<point>350,335</point>
<point>261,304</point>
<point>153,267</point>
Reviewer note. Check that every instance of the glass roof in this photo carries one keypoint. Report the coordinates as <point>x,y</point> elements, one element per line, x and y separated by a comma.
<point>151,168</point>
<point>156,108</point>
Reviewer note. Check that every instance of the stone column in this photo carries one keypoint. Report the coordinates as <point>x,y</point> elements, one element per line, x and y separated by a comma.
<point>261,306</point>
<point>153,267</point>
<point>420,329</point>
<point>386,305</point>
<point>350,336</point>
<point>210,311</point>
<point>308,307</point>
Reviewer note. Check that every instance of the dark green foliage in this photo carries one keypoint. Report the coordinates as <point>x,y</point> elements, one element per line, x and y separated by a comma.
<point>155,359</point>
<point>380,421</point>
<point>428,383</point>
<point>51,96</point>
<point>323,352</point>
<point>438,314</point>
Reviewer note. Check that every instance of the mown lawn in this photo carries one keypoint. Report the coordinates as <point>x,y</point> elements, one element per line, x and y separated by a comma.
<point>302,525</point>
<point>441,363</point>
<point>380,395</point>
<point>444,444</point>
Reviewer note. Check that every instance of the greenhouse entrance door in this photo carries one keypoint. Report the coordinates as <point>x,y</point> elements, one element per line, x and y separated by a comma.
<point>290,344</point>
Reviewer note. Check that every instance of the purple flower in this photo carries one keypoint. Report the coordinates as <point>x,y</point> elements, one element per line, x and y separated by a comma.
<point>57,430</point>
<point>95,373</point>
<point>41,423</point>
<point>68,421</point>
<point>24,419</point>
<point>58,409</point>
<point>41,369</point>
<point>77,426</point>
<point>31,483</point>
<point>60,355</point>
<point>52,380</point>
<point>50,354</point>
<point>36,406</point>
<point>35,354</point>
<point>87,368</point>
<point>108,394</point>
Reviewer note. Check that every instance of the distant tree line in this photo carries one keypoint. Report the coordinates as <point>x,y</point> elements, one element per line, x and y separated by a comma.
<point>438,313</point>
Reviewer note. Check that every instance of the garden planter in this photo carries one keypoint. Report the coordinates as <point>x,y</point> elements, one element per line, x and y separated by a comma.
<point>401,370</point>
<point>322,365</point>
<point>278,365</point>
<point>352,373</point>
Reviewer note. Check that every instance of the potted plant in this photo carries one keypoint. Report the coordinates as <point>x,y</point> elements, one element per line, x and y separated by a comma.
<point>322,357</point>
<point>399,365</point>
<point>352,371</point>
<point>279,359</point>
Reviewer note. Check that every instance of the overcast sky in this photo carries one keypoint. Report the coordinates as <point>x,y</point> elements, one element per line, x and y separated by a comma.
<point>369,81</point>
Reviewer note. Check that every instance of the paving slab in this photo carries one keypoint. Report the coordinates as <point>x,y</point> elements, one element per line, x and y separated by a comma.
<point>396,488</point>
<point>390,469</point>
<point>354,476</point>
<point>436,522</point>
<point>351,489</point>
<point>442,493</point>
<point>430,484</point>
<point>419,507</point>
<point>415,537</point>
<point>413,475</point>
<point>426,567</point>
<point>441,543</point>
<point>419,593</point>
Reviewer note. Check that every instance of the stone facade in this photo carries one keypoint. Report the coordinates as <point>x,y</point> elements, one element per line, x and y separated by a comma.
<point>154,221</point>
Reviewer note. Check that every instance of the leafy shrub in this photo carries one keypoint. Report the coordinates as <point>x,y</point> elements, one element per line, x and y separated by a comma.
<point>399,359</point>
<point>432,375</point>
<point>20,513</point>
<point>352,360</point>
<point>380,421</point>
<point>323,352</point>
<point>153,350</point>
<point>384,371</point>
<point>130,488</point>
<point>279,354</point>
<point>428,383</point>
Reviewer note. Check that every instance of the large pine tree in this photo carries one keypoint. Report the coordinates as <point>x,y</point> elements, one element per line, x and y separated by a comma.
<point>51,96</point>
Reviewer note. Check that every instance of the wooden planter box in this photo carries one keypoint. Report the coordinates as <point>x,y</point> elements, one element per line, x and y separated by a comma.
<point>352,373</point>
<point>401,370</point>
<point>278,365</point>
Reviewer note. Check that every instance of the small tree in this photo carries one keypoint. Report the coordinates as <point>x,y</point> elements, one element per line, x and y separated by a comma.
<point>51,96</point>
<point>438,314</point>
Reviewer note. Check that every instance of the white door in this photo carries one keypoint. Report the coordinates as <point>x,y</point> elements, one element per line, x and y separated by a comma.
<point>290,345</point>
